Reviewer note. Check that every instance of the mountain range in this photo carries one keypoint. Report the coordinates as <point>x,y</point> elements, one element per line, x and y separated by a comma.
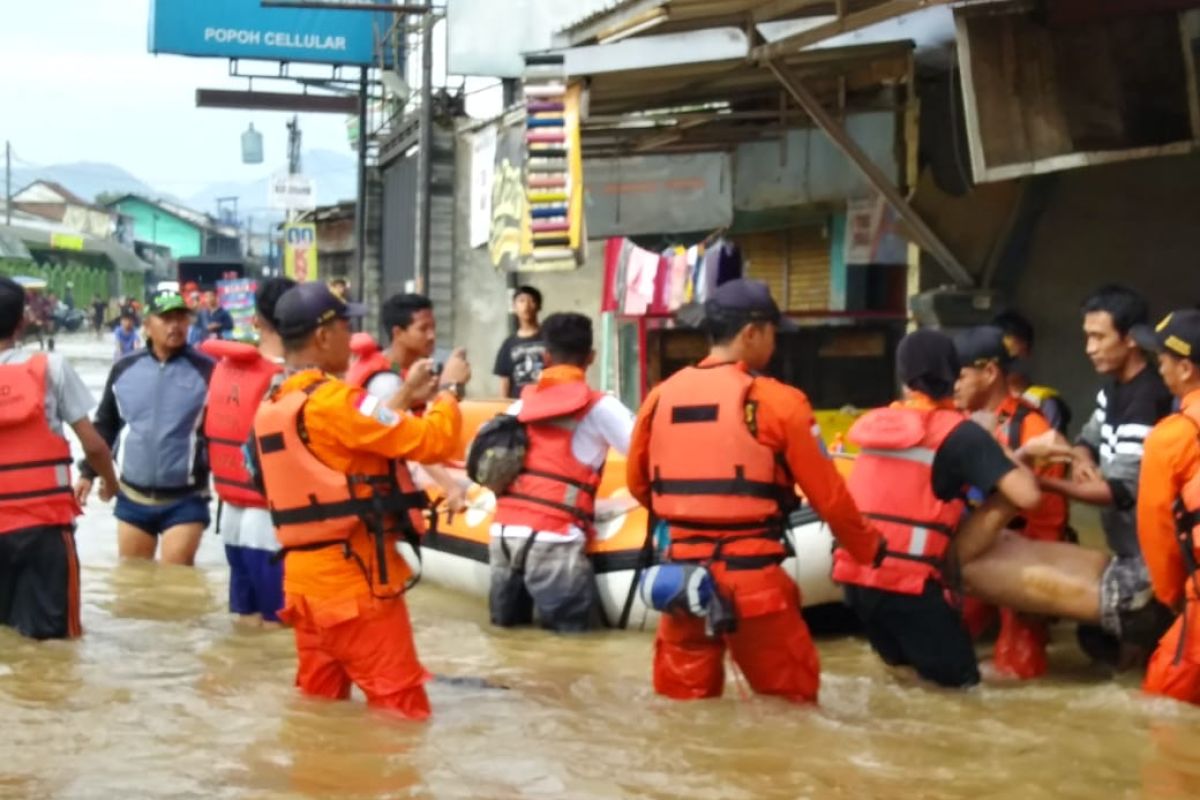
<point>334,173</point>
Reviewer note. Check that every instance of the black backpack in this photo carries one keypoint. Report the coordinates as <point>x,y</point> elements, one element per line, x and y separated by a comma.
<point>497,453</point>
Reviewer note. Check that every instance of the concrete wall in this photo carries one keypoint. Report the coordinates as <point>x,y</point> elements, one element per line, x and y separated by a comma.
<point>153,225</point>
<point>481,294</point>
<point>1134,223</point>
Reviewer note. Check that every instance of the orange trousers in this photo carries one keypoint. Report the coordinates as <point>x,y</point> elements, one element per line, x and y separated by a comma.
<point>1174,669</point>
<point>1020,650</point>
<point>771,646</point>
<point>364,641</point>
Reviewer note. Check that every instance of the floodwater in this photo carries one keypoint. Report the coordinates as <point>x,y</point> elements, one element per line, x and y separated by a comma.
<point>165,697</point>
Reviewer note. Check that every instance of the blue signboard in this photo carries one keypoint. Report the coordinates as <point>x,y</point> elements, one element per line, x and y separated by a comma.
<point>245,29</point>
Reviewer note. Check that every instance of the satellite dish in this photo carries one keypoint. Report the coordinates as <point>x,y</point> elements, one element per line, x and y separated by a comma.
<point>252,146</point>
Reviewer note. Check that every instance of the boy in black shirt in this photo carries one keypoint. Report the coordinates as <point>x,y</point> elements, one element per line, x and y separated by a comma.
<point>519,360</point>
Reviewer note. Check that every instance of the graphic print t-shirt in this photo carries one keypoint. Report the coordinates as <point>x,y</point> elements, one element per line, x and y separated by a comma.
<point>520,360</point>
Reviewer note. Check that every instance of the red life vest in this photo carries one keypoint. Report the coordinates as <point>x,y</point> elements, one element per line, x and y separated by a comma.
<point>314,506</point>
<point>892,484</point>
<point>35,462</point>
<point>724,494</point>
<point>554,490</point>
<point>239,383</point>
<point>369,364</point>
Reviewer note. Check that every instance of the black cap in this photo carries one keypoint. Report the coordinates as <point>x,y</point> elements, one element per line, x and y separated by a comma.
<point>1179,334</point>
<point>926,361</point>
<point>307,306</point>
<point>750,300</point>
<point>979,345</point>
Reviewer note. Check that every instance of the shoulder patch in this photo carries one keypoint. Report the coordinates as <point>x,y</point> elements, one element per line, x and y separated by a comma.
<point>370,406</point>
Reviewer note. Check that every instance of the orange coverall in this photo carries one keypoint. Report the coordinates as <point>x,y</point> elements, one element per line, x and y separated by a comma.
<point>772,645</point>
<point>349,627</point>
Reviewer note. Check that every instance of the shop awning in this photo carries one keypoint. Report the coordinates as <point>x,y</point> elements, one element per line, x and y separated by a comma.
<point>122,259</point>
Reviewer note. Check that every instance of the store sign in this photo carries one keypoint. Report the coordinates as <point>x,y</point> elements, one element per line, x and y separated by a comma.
<point>291,193</point>
<point>66,241</point>
<point>657,194</point>
<point>300,251</point>
<point>246,29</point>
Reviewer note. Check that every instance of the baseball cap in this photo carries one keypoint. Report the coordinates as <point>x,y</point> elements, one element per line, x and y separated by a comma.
<point>166,303</point>
<point>1179,334</point>
<point>926,360</point>
<point>981,344</point>
<point>307,306</point>
<point>748,299</point>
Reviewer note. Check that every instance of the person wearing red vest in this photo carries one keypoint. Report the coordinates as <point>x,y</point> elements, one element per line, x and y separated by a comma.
<point>983,389</point>
<point>917,459</point>
<point>1168,511</point>
<point>331,458</point>
<point>717,451</point>
<point>39,568</point>
<point>243,376</point>
<point>544,519</point>
<point>409,320</point>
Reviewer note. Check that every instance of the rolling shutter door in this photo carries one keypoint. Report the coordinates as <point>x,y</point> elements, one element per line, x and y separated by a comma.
<point>793,263</point>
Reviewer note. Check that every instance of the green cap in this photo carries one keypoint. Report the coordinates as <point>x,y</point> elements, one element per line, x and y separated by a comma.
<point>166,303</point>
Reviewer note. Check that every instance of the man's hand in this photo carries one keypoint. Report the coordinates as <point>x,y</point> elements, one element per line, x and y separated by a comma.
<point>456,502</point>
<point>1083,467</point>
<point>1048,446</point>
<point>107,491</point>
<point>83,488</point>
<point>457,368</point>
<point>419,385</point>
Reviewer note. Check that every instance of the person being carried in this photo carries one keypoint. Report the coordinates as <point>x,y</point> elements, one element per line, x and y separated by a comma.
<point>1018,341</point>
<point>917,459</point>
<point>717,451</point>
<point>983,390</point>
<point>409,320</point>
<point>331,458</point>
<point>545,518</point>
<point>39,567</point>
<point>1168,511</point>
<point>521,357</point>
<point>1106,464</point>
<point>151,414</point>
<point>243,376</point>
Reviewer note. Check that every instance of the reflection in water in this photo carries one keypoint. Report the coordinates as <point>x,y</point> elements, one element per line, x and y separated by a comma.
<point>165,697</point>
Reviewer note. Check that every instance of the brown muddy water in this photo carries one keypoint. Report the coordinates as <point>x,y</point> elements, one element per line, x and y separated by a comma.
<point>165,697</point>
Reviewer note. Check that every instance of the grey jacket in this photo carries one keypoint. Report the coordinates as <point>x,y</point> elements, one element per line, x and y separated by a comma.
<point>151,415</point>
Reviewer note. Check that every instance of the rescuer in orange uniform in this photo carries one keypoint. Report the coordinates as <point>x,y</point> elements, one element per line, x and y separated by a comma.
<point>983,387</point>
<point>331,461</point>
<point>717,451</point>
<point>1168,511</point>
<point>918,458</point>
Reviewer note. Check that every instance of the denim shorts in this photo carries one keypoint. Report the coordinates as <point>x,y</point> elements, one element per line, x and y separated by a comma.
<point>156,519</point>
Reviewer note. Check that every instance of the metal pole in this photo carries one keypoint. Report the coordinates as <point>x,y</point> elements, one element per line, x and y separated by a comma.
<point>7,183</point>
<point>360,204</point>
<point>425,155</point>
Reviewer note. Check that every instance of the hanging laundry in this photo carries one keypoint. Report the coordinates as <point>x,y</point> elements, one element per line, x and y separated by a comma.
<point>677,279</point>
<point>639,281</point>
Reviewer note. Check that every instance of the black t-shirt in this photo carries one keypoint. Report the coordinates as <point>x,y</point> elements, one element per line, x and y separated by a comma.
<point>968,457</point>
<point>520,360</point>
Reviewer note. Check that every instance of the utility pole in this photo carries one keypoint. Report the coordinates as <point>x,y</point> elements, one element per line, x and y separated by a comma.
<point>425,155</point>
<point>7,182</point>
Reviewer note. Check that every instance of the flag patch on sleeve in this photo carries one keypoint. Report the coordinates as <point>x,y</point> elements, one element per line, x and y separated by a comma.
<point>369,406</point>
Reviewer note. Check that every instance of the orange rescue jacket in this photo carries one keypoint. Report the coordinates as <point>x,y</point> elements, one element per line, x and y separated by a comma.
<point>35,462</point>
<point>238,384</point>
<point>313,505</point>
<point>724,494</point>
<point>554,489</point>
<point>892,485</point>
<point>1187,514</point>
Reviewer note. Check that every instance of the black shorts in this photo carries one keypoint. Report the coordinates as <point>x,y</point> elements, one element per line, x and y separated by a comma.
<point>39,583</point>
<point>921,631</point>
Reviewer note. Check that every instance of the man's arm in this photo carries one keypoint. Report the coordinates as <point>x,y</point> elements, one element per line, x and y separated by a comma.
<point>505,386</point>
<point>373,427</point>
<point>98,458</point>
<point>1168,450</point>
<point>615,423</point>
<point>637,463</point>
<point>812,470</point>
<point>503,368</point>
<point>976,535</point>
<point>107,421</point>
<point>1093,492</point>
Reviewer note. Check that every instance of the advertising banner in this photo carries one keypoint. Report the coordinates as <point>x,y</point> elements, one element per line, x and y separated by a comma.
<point>237,297</point>
<point>291,193</point>
<point>300,251</point>
<point>245,29</point>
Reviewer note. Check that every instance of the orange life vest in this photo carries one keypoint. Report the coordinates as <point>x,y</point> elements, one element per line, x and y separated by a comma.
<point>724,494</point>
<point>238,384</point>
<point>554,489</point>
<point>35,462</point>
<point>1048,522</point>
<point>892,484</point>
<point>313,505</point>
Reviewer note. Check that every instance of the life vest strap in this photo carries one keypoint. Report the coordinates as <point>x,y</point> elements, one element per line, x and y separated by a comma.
<point>38,493</point>
<point>225,442</point>
<point>566,509</point>
<point>249,486</point>
<point>318,512</point>
<point>589,488</point>
<point>735,563</point>
<point>54,462</point>
<point>738,485</point>
<point>768,526</point>
<point>936,527</point>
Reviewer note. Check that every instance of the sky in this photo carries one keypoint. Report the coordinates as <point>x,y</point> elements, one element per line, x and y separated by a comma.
<point>80,85</point>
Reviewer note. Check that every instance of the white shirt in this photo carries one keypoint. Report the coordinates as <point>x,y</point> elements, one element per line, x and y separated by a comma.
<point>608,424</point>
